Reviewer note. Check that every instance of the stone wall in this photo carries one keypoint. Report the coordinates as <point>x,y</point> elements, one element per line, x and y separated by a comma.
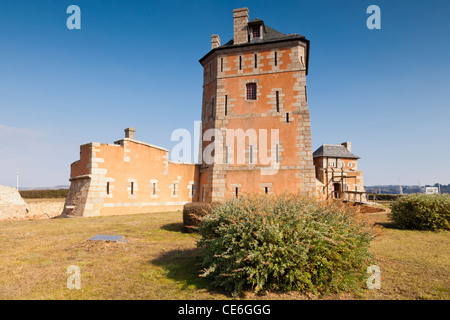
<point>128,177</point>
<point>11,204</point>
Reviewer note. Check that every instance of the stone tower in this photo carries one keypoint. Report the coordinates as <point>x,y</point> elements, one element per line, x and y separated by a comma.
<point>255,119</point>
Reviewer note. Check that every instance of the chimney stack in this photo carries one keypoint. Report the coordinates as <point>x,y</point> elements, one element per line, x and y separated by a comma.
<point>215,41</point>
<point>129,133</point>
<point>348,145</point>
<point>240,21</point>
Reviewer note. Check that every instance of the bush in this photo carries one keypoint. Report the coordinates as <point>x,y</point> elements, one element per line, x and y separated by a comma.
<point>284,243</point>
<point>194,212</point>
<point>388,197</point>
<point>422,212</point>
<point>44,194</point>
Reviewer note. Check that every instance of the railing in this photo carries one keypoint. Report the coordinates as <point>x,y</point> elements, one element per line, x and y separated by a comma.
<point>354,195</point>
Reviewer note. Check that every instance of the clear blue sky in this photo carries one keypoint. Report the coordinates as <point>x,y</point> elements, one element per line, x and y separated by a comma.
<point>135,63</point>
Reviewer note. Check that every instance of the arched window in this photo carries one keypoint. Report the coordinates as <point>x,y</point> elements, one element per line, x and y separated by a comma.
<point>251,91</point>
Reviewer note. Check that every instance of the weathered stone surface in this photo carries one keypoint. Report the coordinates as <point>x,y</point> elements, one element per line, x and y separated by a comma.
<point>101,237</point>
<point>12,206</point>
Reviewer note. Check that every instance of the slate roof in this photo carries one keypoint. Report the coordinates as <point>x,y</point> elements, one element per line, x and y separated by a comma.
<point>333,151</point>
<point>270,35</point>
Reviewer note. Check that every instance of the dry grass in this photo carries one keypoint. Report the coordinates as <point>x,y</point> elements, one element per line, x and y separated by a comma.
<point>161,262</point>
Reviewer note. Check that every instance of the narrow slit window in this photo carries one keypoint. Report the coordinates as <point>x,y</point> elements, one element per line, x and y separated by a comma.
<point>226,105</point>
<point>276,60</point>
<point>192,189</point>
<point>287,117</point>
<point>256,60</point>
<point>277,96</point>
<point>276,153</point>
<point>175,189</point>
<point>221,64</point>
<point>154,188</point>
<point>250,153</point>
<point>107,188</point>
<point>236,192</point>
<point>266,189</point>
<point>240,62</point>
<point>132,188</point>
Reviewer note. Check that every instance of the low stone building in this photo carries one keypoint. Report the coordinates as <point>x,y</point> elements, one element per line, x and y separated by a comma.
<point>12,206</point>
<point>129,176</point>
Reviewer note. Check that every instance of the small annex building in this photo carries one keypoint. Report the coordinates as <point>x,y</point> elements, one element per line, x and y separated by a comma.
<point>337,172</point>
<point>127,177</point>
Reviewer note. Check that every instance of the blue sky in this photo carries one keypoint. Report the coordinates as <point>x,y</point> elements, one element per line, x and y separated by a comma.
<point>135,63</point>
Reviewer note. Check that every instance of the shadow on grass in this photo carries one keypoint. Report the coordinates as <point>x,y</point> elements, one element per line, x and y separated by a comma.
<point>179,227</point>
<point>387,225</point>
<point>183,265</point>
<point>174,227</point>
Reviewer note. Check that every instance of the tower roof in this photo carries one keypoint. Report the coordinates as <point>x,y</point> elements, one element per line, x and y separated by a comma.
<point>270,36</point>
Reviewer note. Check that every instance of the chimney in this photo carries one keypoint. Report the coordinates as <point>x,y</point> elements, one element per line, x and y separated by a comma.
<point>129,133</point>
<point>215,41</point>
<point>348,145</point>
<point>240,21</point>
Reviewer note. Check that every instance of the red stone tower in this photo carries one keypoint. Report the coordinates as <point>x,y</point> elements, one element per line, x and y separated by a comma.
<point>255,106</point>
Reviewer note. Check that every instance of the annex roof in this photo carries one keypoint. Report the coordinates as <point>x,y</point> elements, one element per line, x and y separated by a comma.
<point>333,151</point>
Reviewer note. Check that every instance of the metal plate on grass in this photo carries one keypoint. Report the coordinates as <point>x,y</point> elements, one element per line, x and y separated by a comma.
<point>102,237</point>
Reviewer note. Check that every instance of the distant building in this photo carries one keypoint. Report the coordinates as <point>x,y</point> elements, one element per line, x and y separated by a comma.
<point>431,190</point>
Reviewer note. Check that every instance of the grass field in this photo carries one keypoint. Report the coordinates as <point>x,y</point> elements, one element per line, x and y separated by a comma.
<point>162,262</point>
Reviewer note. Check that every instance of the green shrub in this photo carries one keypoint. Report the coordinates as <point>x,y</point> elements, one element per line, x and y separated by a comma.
<point>42,194</point>
<point>194,212</point>
<point>388,197</point>
<point>284,243</point>
<point>422,212</point>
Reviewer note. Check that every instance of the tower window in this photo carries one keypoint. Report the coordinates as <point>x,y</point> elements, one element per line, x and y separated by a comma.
<point>287,117</point>
<point>154,188</point>
<point>277,96</point>
<point>266,189</point>
<point>240,62</point>
<point>256,32</point>
<point>132,188</point>
<point>221,64</point>
<point>276,62</point>
<point>237,192</point>
<point>251,91</point>
<point>226,105</point>
<point>107,188</point>
<point>256,60</point>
